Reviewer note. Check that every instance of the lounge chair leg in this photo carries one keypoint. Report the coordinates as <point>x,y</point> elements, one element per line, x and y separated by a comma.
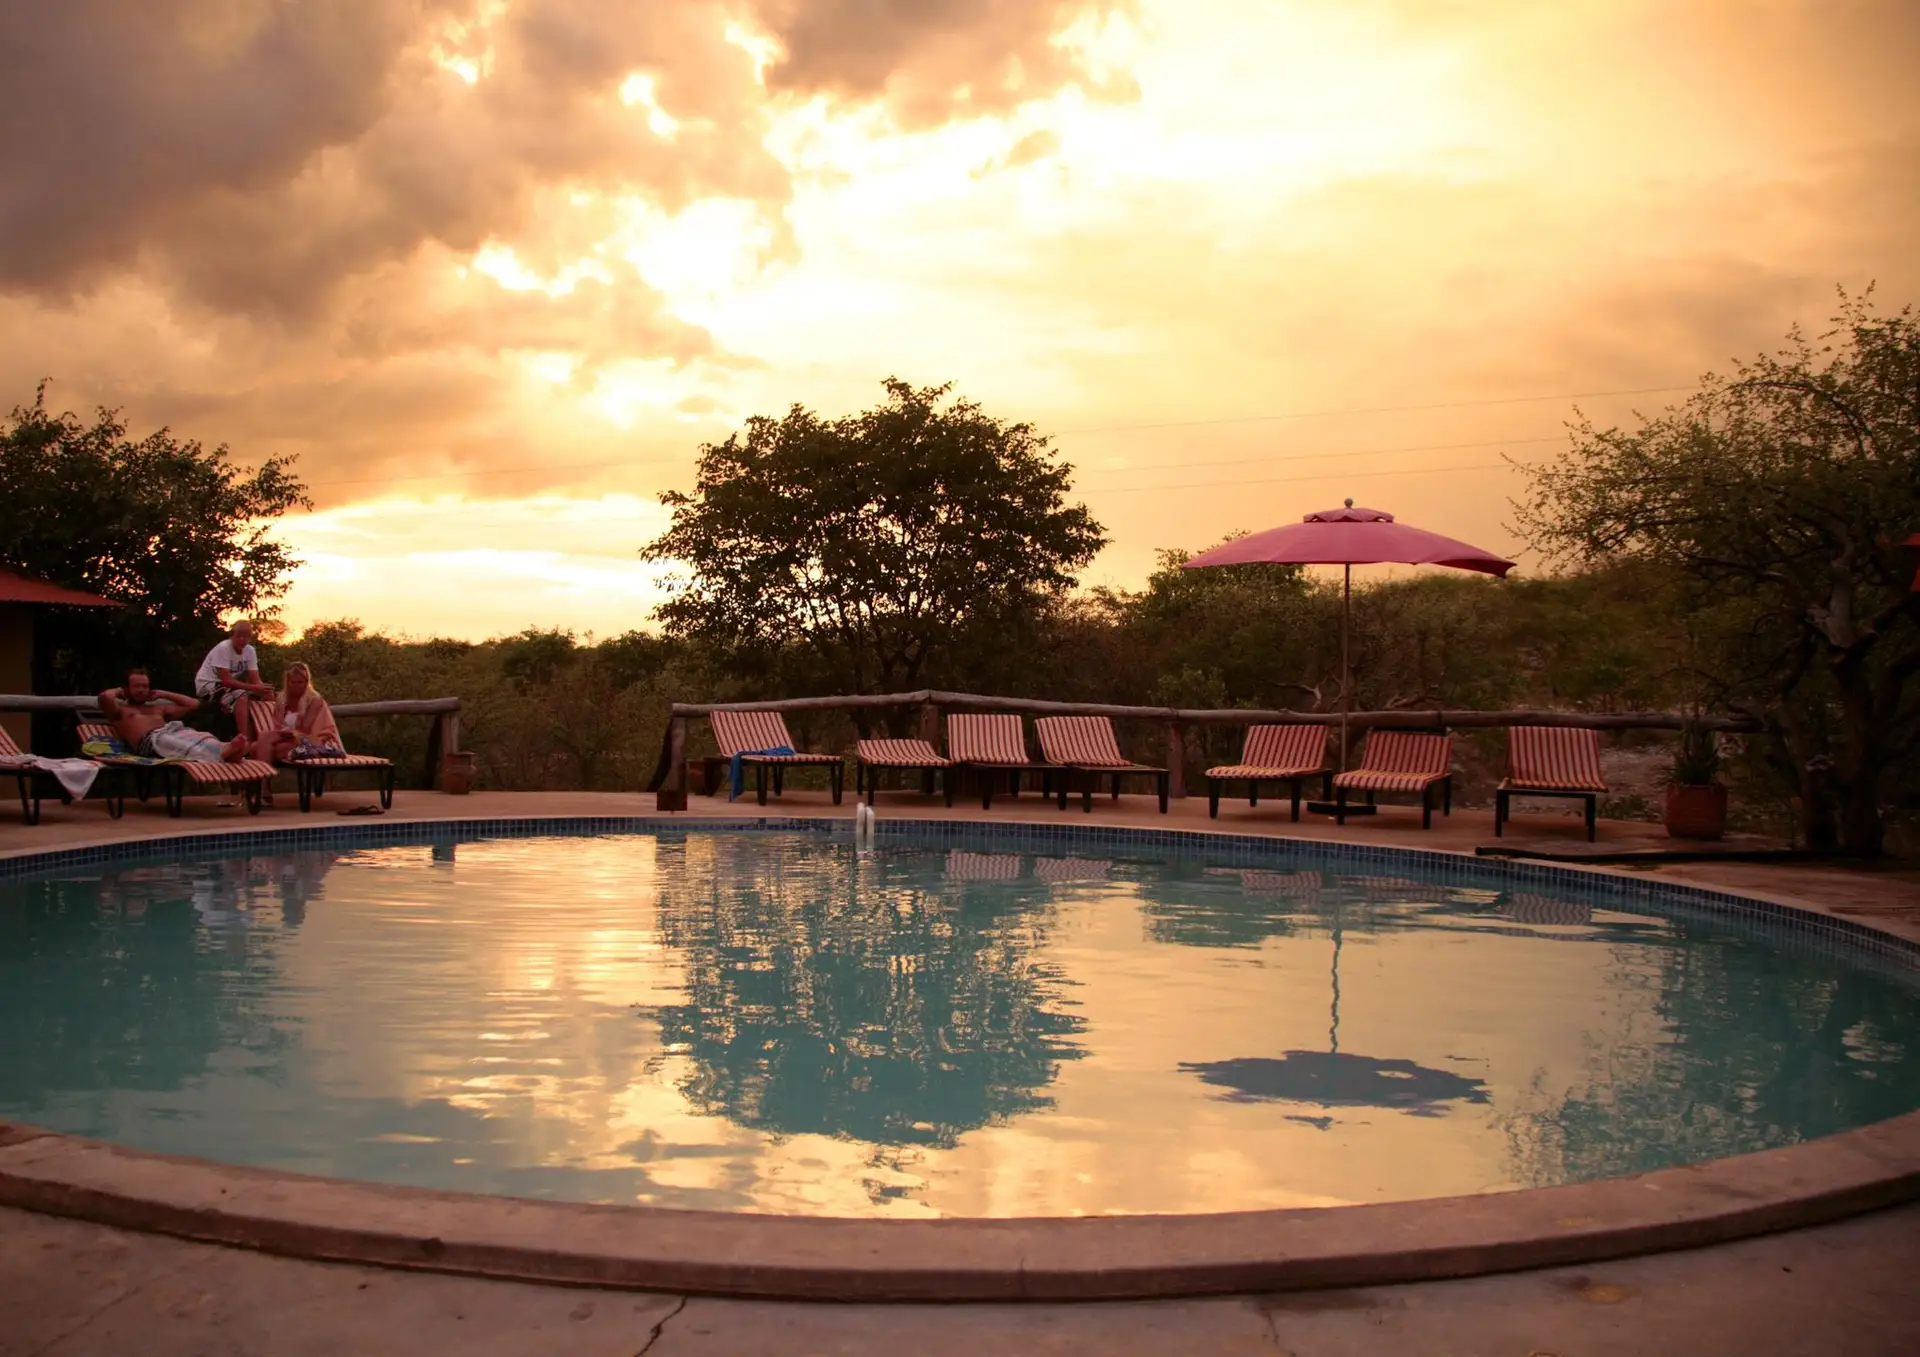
<point>1165,779</point>
<point>1296,801</point>
<point>175,790</point>
<point>838,773</point>
<point>1340,807</point>
<point>1426,807</point>
<point>386,789</point>
<point>1087,791</point>
<point>1116,786</point>
<point>1593,818</point>
<point>1253,791</point>
<point>1499,814</point>
<point>1446,791</point>
<point>1213,799</point>
<point>760,782</point>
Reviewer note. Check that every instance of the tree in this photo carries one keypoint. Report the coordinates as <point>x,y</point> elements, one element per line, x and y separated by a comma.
<point>877,541</point>
<point>1777,498</point>
<point>173,530</point>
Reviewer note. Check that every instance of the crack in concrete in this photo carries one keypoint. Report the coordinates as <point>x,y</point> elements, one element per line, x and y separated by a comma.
<point>666,1319</point>
<point>126,1295</point>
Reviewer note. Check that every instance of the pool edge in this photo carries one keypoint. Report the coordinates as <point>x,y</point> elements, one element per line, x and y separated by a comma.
<point>1051,1259</point>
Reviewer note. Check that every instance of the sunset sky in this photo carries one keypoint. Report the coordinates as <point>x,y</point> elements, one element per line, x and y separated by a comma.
<point>494,269</point>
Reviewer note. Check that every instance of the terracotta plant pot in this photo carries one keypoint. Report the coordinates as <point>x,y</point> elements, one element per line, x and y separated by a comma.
<point>1696,812</point>
<point>456,773</point>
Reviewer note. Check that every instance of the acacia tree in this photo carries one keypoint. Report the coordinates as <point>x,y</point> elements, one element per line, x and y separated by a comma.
<point>1778,498</point>
<point>172,529</point>
<point>876,541</point>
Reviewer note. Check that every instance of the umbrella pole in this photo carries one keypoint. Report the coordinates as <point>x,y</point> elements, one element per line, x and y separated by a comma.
<point>1333,1033</point>
<point>1346,666</point>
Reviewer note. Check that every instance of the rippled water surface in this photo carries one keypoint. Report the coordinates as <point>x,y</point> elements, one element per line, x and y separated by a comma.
<point>767,1022</point>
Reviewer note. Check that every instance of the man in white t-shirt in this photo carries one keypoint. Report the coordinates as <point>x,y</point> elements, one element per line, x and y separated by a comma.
<point>231,674</point>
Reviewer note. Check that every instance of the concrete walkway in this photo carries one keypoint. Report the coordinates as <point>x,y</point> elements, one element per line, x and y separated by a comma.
<point>69,1289</point>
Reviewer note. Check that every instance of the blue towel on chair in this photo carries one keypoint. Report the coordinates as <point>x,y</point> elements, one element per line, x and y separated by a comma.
<point>738,774</point>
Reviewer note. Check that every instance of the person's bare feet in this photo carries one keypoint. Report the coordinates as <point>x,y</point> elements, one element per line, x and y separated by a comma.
<point>236,751</point>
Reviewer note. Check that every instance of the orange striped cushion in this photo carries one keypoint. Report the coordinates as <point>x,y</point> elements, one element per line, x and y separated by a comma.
<point>1086,741</point>
<point>1380,780</point>
<point>1557,758</point>
<point>981,738</point>
<point>1400,761</point>
<point>1286,747</point>
<point>246,770</point>
<point>900,754</point>
<point>7,746</point>
<point>343,761</point>
<point>739,732</point>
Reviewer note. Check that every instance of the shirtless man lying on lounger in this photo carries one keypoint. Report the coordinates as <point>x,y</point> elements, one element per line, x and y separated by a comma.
<point>147,721</point>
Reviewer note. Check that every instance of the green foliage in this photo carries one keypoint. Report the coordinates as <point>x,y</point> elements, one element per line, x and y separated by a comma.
<point>876,544</point>
<point>1776,499</point>
<point>172,529</point>
<point>1696,761</point>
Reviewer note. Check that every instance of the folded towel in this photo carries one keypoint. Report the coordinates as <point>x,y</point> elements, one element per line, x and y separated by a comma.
<point>738,775</point>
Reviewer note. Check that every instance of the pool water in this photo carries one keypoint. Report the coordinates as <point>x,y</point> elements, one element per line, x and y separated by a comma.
<point>772,1022</point>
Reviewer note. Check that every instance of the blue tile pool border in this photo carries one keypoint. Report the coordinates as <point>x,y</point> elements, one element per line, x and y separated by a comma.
<point>1801,925</point>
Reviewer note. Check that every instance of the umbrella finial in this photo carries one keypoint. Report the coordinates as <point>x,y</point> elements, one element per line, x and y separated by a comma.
<point>1349,501</point>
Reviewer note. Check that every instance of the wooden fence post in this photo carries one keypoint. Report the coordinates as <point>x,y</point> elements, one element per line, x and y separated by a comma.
<point>436,749</point>
<point>1176,761</point>
<point>673,791</point>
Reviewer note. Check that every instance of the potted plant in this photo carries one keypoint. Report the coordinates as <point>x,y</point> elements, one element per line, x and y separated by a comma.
<point>1696,802</point>
<point>456,772</point>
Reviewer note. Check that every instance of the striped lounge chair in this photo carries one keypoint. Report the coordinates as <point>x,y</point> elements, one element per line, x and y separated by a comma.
<point>1551,761</point>
<point>746,733</point>
<point>310,775</point>
<point>250,777</point>
<point>27,778</point>
<point>34,782</point>
<point>1289,754</point>
<point>1085,745</point>
<point>990,745</point>
<point>1400,761</point>
<point>909,754</point>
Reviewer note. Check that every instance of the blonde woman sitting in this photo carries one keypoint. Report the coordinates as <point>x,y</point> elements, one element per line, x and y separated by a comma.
<point>306,728</point>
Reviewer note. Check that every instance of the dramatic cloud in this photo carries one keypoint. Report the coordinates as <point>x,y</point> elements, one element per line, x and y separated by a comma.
<point>460,252</point>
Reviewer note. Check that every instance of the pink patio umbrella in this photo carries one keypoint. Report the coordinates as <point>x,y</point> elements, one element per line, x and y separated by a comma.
<point>1348,537</point>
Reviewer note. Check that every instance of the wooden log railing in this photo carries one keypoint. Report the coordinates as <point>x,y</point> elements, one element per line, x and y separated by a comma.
<point>671,773</point>
<point>443,738</point>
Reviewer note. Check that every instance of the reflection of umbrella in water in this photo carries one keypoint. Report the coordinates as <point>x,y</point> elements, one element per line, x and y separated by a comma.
<point>1335,1080</point>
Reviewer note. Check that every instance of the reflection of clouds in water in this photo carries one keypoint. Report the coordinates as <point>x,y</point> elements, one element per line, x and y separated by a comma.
<point>768,1022</point>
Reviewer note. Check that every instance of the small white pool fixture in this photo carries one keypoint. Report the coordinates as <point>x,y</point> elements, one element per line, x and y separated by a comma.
<point>864,821</point>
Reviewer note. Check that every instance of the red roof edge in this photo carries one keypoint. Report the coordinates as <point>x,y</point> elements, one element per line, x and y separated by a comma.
<point>20,589</point>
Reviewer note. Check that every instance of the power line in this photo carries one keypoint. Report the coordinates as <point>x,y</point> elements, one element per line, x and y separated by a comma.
<point>536,468</point>
<point>1290,480</point>
<point>1310,456</point>
<point>1377,410</point>
<point>1091,471</point>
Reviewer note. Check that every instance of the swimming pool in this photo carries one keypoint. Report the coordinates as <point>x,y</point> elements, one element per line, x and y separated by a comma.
<point>959,1026</point>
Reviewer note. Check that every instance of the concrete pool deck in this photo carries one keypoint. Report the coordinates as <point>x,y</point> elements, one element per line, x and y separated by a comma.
<point>1886,900</point>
